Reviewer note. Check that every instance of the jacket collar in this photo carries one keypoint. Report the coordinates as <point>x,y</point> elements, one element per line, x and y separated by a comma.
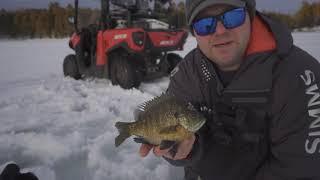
<point>261,38</point>
<point>268,35</point>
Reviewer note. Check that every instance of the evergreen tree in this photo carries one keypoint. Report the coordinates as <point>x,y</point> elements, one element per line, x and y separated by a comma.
<point>305,15</point>
<point>316,10</point>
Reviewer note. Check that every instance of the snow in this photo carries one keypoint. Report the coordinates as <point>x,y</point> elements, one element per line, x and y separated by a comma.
<point>308,29</point>
<point>62,129</point>
<point>309,41</point>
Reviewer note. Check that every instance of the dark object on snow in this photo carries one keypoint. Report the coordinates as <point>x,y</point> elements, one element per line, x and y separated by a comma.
<point>12,172</point>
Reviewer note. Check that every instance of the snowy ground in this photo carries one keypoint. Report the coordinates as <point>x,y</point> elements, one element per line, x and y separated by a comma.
<point>308,29</point>
<point>63,129</point>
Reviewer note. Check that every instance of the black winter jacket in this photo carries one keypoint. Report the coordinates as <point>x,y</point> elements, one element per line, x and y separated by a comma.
<point>265,125</point>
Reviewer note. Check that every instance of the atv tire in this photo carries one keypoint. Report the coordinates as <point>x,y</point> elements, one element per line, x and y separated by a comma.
<point>173,60</point>
<point>70,67</point>
<point>124,73</point>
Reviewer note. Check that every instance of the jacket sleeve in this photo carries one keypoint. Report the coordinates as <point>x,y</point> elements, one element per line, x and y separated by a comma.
<point>294,129</point>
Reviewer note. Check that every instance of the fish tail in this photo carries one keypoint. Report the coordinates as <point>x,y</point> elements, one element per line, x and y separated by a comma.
<point>123,128</point>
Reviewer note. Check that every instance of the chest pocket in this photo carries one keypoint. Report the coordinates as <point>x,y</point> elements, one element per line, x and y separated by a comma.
<point>235,117</point>
<point>237,126</point>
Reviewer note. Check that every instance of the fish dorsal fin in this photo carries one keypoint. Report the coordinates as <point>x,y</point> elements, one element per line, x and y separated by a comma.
<point>144,107</point>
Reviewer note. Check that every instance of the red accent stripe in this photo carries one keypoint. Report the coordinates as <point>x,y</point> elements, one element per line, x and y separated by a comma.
<point>261,39</point>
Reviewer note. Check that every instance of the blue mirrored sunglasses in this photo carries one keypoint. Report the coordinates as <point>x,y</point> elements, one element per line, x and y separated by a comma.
<point>230,19</point>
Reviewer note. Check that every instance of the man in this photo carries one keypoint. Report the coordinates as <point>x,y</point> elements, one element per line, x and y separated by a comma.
<point>259,92</point>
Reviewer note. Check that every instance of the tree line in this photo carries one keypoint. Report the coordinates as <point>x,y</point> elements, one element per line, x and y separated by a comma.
<point>53,22</point>
<point>37,23</point>
<point>307,16</point>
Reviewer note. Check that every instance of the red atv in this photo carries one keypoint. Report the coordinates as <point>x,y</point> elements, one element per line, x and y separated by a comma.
<point>123,46</point>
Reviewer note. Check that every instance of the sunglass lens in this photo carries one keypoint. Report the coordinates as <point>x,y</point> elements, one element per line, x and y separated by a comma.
<point>234,18</point>
<point>205,26</point>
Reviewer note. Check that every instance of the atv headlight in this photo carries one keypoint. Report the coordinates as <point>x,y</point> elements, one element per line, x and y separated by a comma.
<point>138,38</point>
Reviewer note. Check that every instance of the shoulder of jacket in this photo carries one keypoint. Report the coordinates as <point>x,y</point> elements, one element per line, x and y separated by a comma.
<point>292,72</point>
<point>296,61</point>
<point>189,62</point>
<point>302,57</point>
<point>190,57</point>
<point>189,68</point>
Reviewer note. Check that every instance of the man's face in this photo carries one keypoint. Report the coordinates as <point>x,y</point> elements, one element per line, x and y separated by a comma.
<point>225,47</point>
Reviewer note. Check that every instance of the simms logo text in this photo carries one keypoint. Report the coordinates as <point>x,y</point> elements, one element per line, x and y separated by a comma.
<point>312,144</point>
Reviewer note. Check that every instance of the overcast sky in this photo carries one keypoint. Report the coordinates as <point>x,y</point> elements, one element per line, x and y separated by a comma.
<point>287,6</point>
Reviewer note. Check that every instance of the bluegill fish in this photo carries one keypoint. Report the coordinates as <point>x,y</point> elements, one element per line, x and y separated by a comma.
<point>162,119</point>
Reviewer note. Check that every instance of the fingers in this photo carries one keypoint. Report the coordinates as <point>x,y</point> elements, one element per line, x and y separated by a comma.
<point>182,150</point>
<point>158,152</point>
<point>170,153</point>
<point>145,149</point>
